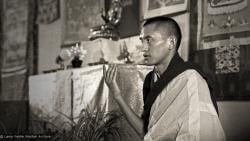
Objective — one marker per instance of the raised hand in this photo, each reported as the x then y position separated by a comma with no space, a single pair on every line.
110,79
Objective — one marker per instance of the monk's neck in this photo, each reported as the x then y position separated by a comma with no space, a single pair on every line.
162,67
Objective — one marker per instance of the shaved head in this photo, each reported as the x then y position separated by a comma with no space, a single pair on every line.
167,27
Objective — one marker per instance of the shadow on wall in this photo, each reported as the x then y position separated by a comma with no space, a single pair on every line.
234,117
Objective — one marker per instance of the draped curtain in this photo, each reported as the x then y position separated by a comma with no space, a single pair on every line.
18,55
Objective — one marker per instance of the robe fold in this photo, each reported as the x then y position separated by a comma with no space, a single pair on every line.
179,105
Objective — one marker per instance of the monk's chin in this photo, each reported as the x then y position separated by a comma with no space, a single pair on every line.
148,63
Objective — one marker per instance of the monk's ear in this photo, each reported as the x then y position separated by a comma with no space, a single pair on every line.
171,42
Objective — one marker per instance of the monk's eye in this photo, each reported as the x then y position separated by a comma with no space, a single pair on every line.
149,40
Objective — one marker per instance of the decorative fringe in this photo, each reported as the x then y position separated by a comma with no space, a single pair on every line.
226,7
218,43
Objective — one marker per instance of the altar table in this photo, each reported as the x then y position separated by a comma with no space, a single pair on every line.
55,96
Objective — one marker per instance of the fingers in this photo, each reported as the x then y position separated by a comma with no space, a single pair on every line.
110,74
104,71
114,73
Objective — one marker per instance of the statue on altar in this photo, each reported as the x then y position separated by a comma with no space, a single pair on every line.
111,18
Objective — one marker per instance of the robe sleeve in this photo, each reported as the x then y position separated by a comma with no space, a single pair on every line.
189,116
200,121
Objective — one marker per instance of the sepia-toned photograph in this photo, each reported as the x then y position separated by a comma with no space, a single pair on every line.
124,70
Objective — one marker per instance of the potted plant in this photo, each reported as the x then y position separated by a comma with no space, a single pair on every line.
91,126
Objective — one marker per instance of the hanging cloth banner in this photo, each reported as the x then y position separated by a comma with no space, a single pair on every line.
15,32
48,11
225,7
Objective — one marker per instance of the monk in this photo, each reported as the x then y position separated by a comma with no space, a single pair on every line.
179,100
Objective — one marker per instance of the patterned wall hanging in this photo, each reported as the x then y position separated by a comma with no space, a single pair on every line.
48,11
80,16
221,17
223,42
15,32
18,47
227,58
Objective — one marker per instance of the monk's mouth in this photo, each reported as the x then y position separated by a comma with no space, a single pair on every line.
146,55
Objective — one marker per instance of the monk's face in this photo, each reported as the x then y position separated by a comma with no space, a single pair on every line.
155,45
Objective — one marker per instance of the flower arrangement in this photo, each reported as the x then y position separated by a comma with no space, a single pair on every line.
78,51
75,55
